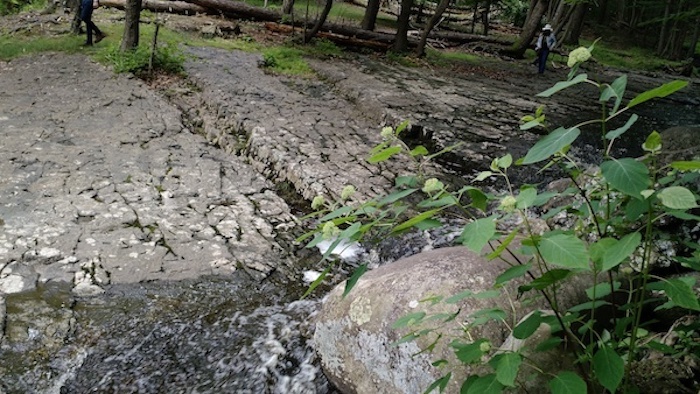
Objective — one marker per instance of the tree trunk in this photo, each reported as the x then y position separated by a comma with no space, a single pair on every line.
287,7
663,33
370,19
485,17
420,50
694,40
575,25
130,39
532,24
401,42
474,15
74,5
321,20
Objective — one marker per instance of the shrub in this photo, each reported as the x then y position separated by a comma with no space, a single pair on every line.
616,220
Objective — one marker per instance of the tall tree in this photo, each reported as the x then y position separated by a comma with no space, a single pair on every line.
402,25
321,20
442,6
130,39
369,20
532,25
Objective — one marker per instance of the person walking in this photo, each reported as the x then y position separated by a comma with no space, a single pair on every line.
86,8
545,42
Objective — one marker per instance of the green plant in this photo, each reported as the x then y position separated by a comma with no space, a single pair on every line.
167,58
614,228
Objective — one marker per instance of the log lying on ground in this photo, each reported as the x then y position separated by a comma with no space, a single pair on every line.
173,7
238,9
380,45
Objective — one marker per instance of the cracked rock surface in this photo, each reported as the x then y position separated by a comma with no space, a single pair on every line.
102,183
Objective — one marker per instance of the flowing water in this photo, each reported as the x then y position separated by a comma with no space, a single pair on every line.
212,335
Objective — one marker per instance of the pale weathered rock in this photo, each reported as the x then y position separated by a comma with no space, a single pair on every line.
354,335
17,277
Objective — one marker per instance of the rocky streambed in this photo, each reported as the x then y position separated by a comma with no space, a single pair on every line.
146,243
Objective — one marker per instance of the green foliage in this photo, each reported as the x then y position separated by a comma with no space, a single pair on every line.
285,60
8,7
167,58
617,215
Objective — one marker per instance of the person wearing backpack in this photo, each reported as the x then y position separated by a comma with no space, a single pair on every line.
545,42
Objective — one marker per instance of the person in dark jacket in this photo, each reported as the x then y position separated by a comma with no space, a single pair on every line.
86,8
545,42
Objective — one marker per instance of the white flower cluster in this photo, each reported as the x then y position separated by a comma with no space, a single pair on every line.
578,55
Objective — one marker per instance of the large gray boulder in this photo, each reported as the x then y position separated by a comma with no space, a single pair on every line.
354,335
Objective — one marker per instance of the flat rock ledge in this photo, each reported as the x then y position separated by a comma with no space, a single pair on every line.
102,183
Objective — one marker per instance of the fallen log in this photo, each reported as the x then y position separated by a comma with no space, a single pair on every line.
238,9
339,39
173,7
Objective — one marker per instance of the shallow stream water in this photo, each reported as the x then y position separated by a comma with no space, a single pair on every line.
211,335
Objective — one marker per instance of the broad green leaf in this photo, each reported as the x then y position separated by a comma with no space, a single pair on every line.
354,278
512,273
547,279
563,85
483,175
384,154
601,290
467,383
528,326
407,181
611,135
395,196
677,197
441,383
526,198
470,294
505,161
568,383
617,90
544,198
479,199
531,123
506,366
504,243
548,344
588,306
565,251
419,150
683,215
622,249
414,220
598,250
662,91
609,368
402,126
551,144
444,201
342,211
428,224
626,175
635,208
491,313
686,165
653,142
472,352
408,320
350,232
486,385
477,233
681,293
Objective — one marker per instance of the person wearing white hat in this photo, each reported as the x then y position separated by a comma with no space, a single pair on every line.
545,42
